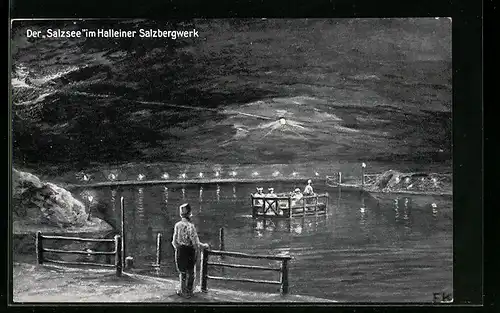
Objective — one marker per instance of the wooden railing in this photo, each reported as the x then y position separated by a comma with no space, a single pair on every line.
369,179
40,251
334,180
283,269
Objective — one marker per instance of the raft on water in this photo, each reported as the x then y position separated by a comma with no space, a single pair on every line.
286,206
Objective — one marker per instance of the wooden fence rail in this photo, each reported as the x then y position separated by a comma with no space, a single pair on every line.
40,251
283,269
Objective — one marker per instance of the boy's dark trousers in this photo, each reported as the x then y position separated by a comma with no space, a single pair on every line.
185,257
187,281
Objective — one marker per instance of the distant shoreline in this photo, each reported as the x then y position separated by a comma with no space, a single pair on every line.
180,182
347,187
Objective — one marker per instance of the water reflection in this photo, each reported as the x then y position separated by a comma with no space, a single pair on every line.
396,208
218,193
140,203
434,211
113,201
339,197
165,196
306,224
201,194
362,210
234,192
183,190
402,208
269,225
406,209
150,241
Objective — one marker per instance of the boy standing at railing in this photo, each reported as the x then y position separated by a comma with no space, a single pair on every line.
186,244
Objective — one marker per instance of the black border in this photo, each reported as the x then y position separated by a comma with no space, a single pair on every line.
467,97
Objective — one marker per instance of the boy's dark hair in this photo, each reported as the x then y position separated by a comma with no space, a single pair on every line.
185,210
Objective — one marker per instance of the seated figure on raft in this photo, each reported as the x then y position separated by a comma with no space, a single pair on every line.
259,194
296,197
271,204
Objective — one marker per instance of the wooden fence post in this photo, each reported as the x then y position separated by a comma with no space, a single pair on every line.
254,207
222,245
221,239
289,206
122,232
158,249
284,277
118,256
204,270
363,175
39,247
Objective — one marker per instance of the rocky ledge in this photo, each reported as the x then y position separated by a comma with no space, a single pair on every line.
394,181
39,205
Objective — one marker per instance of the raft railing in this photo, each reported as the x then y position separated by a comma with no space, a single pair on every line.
205,263
281,205
41,259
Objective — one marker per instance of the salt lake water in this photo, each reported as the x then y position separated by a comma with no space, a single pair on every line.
367,248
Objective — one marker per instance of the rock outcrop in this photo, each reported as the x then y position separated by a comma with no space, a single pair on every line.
47,206
423,182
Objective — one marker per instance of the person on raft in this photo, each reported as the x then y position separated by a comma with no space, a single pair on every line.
270,192
186,244
270,204
308,190
259,194
296,197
